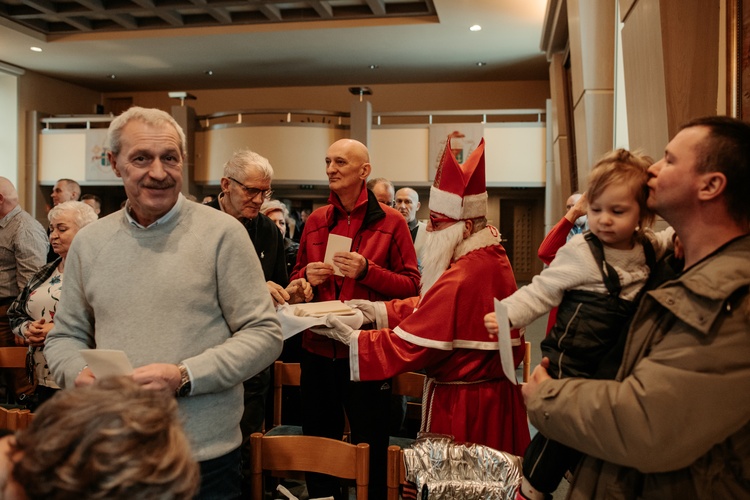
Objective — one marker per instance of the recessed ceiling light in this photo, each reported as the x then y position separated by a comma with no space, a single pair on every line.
480,64
374,66
36,49
112,77
475,27
209,72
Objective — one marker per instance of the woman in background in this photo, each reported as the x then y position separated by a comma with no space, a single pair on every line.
279,214
32,314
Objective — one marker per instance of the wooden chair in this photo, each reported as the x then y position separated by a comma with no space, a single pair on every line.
309,454
13,357
288,374
283,374
12,361
396,471
408,384
15,419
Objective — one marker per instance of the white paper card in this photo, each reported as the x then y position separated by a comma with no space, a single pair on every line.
335,244
504,343
105,363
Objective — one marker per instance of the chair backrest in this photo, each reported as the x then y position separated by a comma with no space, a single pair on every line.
288,374
410,384
283,374
15,419
13,357
309,454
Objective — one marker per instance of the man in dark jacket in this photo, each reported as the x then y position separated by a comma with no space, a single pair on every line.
381,265
246,184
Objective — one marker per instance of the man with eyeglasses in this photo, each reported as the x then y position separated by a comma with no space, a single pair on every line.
246,184
383,190
381,265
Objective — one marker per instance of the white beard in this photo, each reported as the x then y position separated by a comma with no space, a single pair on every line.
438,253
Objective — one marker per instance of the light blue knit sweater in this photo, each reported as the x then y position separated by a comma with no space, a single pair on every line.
189,290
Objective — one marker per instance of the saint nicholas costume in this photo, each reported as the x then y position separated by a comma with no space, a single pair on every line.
467,395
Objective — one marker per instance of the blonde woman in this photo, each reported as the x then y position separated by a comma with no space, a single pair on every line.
32,314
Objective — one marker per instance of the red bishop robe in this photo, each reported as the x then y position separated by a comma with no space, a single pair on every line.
444,334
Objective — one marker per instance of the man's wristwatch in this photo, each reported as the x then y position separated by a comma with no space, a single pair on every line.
185,386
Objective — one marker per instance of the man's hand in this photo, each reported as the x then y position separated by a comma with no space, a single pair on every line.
490,322
278,294
158,376
351,264
299,290
317,272
538,376
86,377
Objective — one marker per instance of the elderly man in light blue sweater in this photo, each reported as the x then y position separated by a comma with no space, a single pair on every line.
178,287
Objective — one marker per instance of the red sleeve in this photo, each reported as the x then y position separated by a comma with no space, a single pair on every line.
400,309
555,239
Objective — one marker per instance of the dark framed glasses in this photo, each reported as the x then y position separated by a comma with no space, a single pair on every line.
253,192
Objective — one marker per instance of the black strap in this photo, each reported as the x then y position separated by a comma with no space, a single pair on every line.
609,274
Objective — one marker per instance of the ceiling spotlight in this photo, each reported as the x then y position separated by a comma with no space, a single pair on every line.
36,49
112,77
475,27
209,72
480,64
374,66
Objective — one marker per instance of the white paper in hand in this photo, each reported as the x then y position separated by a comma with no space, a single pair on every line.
504,343
105,363
335,244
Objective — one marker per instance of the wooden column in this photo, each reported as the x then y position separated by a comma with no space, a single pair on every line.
591,28
671,60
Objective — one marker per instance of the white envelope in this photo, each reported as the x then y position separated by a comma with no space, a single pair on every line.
504,342
105,363
335,244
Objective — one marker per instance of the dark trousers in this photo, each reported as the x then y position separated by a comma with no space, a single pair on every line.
545,463
326,393
256,391
221,477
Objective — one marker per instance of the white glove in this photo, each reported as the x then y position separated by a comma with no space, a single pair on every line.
336,330
373,312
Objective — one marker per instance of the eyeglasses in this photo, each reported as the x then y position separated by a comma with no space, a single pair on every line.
253,192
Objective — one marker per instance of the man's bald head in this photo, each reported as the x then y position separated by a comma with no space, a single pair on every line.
8,196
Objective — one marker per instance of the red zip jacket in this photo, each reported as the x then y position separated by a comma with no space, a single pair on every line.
378,233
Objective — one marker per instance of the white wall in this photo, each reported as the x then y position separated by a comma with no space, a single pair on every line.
9,129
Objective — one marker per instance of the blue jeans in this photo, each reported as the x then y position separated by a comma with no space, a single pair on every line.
221,477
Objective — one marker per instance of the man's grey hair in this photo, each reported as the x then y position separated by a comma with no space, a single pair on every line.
380,180
82,213
149,116
244,162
